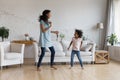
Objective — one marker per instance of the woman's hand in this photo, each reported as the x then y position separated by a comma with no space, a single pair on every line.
50,24
56,32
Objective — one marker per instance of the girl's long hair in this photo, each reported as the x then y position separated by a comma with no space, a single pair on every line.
44,16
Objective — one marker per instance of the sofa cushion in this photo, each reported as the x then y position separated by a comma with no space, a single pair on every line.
6,46
47,50
57,54
57,46
12,55
86,48
82,53
65,45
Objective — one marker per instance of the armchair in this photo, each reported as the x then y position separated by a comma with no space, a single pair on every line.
11,53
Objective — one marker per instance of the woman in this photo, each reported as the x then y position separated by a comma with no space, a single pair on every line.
45,37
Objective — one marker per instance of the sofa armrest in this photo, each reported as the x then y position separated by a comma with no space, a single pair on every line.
93,51
36,48
15,47
1,54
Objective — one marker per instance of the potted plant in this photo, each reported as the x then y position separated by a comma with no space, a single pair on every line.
112,39
62,36
4,33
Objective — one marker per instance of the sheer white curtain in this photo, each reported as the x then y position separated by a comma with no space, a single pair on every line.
117,18
109,20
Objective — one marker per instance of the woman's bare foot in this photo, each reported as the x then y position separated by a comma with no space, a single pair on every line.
53,67
38,69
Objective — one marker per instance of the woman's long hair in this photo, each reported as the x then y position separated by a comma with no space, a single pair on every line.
44,16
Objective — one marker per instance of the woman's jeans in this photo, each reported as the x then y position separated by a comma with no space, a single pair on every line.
78,56
43,50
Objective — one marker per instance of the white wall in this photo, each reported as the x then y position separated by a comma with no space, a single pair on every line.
21,16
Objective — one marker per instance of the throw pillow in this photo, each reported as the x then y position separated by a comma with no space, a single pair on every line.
86,48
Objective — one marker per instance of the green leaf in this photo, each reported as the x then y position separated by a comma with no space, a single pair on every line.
112,39
4,32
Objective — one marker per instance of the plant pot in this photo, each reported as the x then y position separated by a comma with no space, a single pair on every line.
27,38
112,43
2,39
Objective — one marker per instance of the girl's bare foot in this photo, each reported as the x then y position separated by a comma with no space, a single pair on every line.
38,69
53,67
70,67
82,68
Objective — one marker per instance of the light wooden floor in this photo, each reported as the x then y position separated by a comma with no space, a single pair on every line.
28,71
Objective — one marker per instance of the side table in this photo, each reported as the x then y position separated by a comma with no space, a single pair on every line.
101,56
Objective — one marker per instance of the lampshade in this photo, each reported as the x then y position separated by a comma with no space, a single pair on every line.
100,26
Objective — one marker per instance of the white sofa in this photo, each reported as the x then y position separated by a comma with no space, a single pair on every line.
11,53
63,55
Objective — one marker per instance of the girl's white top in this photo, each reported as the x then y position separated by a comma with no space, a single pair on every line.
76,43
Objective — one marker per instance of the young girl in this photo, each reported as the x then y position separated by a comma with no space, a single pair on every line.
76,45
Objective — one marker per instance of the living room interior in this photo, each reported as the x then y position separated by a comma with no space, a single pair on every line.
20,31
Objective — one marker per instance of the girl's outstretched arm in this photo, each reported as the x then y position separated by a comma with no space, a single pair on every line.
81,44
70,45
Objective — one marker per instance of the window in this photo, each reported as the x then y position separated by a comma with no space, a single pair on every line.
117,18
